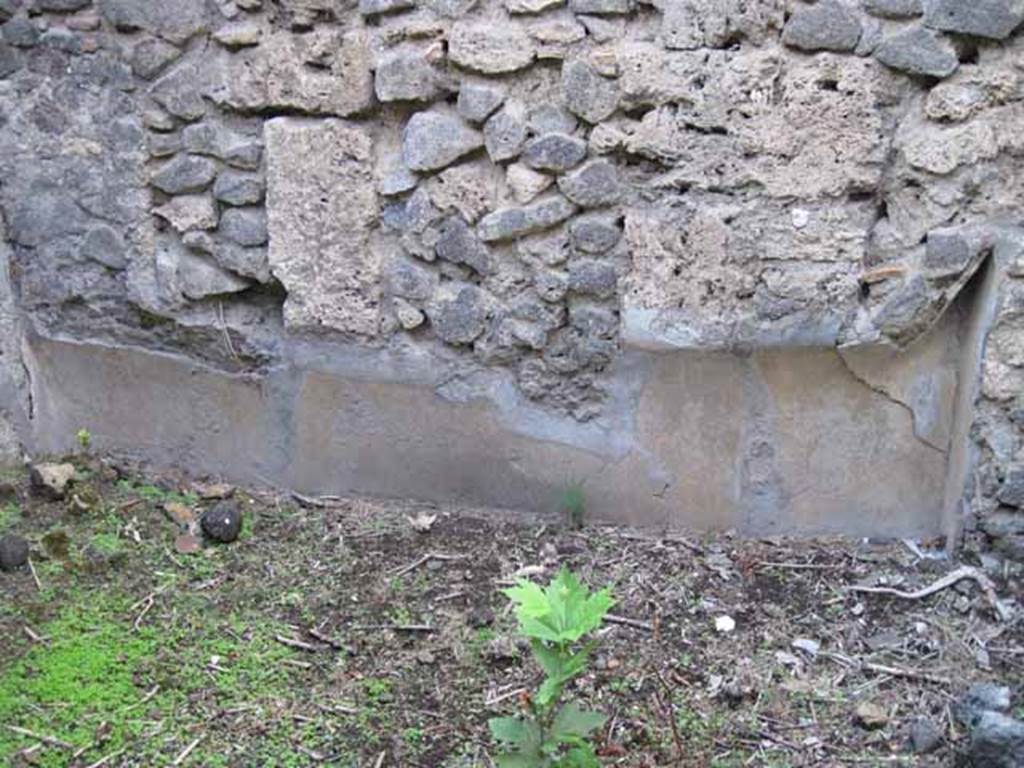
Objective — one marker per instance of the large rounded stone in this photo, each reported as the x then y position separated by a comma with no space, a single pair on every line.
13,552
222,522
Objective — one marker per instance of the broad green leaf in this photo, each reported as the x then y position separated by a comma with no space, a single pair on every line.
521,733
572,723
550,691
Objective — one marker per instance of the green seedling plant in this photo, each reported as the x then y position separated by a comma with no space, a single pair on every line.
574,504
559,620
84,439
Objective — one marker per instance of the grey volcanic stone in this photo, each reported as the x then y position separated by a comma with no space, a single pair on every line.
478,101
599,7
246,261
184,174
13,552
102,244
996,19
594,185
405,75
509,223
551,118
150,56
175,21
459,244
10,60
554,152
588,95
223,521
176,92
410,281
1000,524
239,188
198,277
433,140
245,226
591,277
505,134
163,144
894,9
377,7
458,313
61,6
918,51
594,234
827,25
20,32
1011,492
950,250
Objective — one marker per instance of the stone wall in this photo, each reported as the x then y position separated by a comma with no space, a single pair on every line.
524,192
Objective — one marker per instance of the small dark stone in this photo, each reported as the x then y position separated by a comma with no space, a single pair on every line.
222,522
480,617
13,552
925,736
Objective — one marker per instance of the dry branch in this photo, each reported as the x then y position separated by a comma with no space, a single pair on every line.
964,572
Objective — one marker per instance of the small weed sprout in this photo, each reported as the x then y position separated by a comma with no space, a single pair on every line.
84,439
558,620
574,504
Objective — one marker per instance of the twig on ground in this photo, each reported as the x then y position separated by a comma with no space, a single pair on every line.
51,740
426,558
147,603
798,566
104,760
35,576
186,752
395,627
627,622
292,643
667,705
380,760
318,635
33,636
964,572
503,697
318,502
885,669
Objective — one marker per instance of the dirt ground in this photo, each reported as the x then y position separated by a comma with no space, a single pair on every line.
348,632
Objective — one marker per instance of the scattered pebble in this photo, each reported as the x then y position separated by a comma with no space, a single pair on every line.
223,522
51,480
870,716
808,646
